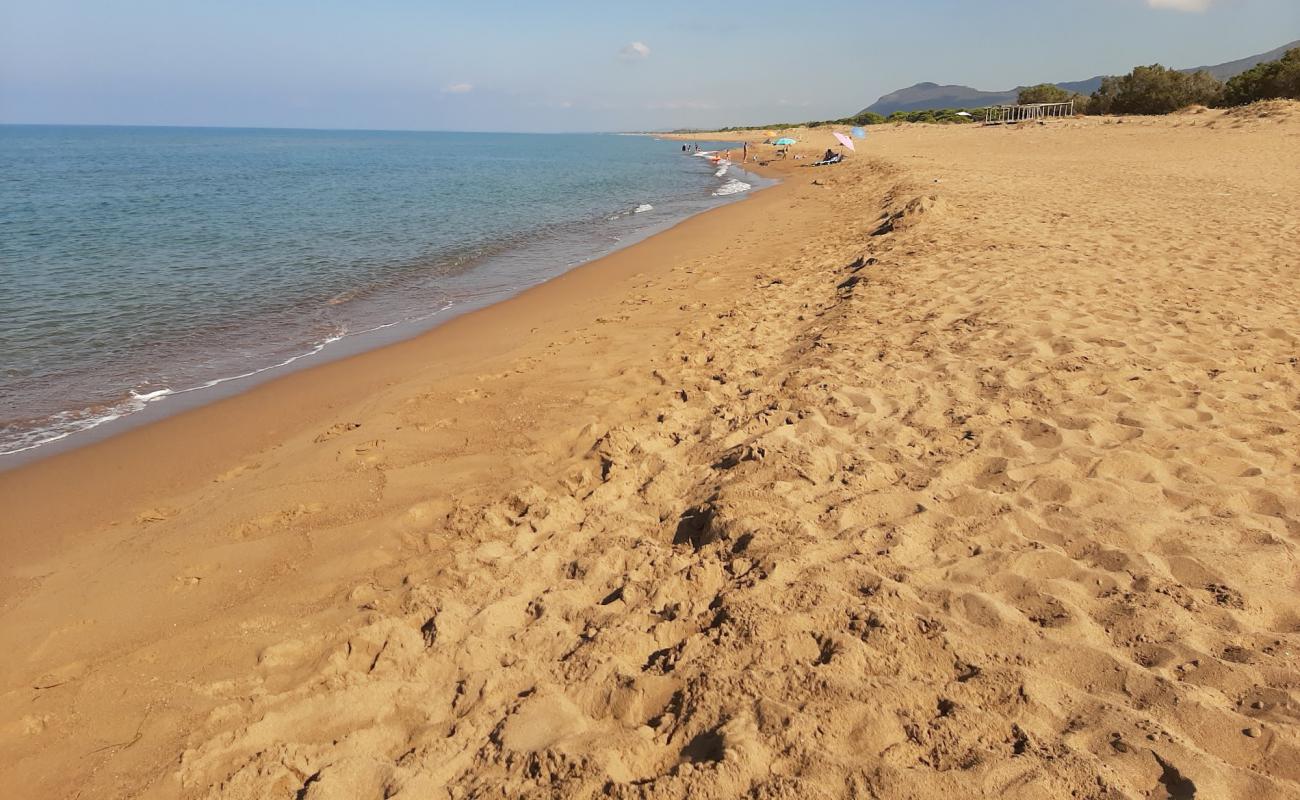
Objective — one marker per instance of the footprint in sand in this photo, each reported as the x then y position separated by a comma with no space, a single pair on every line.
1051,490
231,474
275,521
1044,610
336,430
1040,434
470,396
151,515
191,576
60,676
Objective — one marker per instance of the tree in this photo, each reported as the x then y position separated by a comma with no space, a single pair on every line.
868,118
1103,99
1273,79
1043,93
1155,90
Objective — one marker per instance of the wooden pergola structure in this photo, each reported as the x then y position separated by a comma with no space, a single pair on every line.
1010,115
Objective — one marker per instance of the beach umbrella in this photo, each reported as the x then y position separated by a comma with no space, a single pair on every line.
844,140
963,113
782,142
858,133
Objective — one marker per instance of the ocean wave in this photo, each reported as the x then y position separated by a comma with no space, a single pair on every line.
343,297
67,423
732,186
644,207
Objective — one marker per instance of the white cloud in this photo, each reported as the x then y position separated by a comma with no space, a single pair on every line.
1190,6
458,88
636,50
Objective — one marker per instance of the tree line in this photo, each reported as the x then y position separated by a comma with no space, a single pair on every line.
932,115
1156,89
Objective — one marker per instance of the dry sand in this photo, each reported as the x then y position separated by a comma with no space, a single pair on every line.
969,469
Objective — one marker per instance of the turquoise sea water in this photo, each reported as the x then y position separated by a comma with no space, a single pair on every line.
141,264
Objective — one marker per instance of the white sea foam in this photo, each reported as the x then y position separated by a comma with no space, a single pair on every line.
149,397
65,424
732,186
643,208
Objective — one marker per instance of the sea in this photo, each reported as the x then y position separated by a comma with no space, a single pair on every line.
144,269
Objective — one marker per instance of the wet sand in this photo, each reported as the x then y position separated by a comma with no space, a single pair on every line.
966,468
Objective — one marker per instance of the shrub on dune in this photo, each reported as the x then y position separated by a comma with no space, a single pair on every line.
1269,81
1155,90
1043,93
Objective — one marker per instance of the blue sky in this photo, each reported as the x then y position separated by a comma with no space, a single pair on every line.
574,66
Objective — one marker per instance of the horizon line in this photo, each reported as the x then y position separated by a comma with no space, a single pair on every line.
307,128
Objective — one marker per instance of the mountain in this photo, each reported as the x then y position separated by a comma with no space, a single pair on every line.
932,95
1234,68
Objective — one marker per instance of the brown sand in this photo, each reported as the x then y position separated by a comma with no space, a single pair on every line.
1002,500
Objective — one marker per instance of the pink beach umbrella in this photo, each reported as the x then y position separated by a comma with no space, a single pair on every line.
844,140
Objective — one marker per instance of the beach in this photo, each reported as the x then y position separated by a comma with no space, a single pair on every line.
967,467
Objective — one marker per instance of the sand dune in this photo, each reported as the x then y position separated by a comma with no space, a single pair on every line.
968,468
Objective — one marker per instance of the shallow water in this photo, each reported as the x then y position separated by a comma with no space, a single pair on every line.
137,264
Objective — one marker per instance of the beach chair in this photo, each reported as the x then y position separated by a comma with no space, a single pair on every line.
826,162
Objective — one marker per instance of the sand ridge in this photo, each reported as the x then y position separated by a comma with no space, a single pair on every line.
970,469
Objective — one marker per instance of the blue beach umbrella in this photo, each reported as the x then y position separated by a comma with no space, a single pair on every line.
784,141
858,133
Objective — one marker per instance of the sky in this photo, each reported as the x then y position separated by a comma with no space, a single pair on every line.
566,65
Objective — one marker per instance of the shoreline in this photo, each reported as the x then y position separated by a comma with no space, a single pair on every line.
147,454
137,407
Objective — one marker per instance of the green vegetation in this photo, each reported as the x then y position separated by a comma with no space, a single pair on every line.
1146,90
1267,81
1155,90
1043,93
942,116
867,118
1051,93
